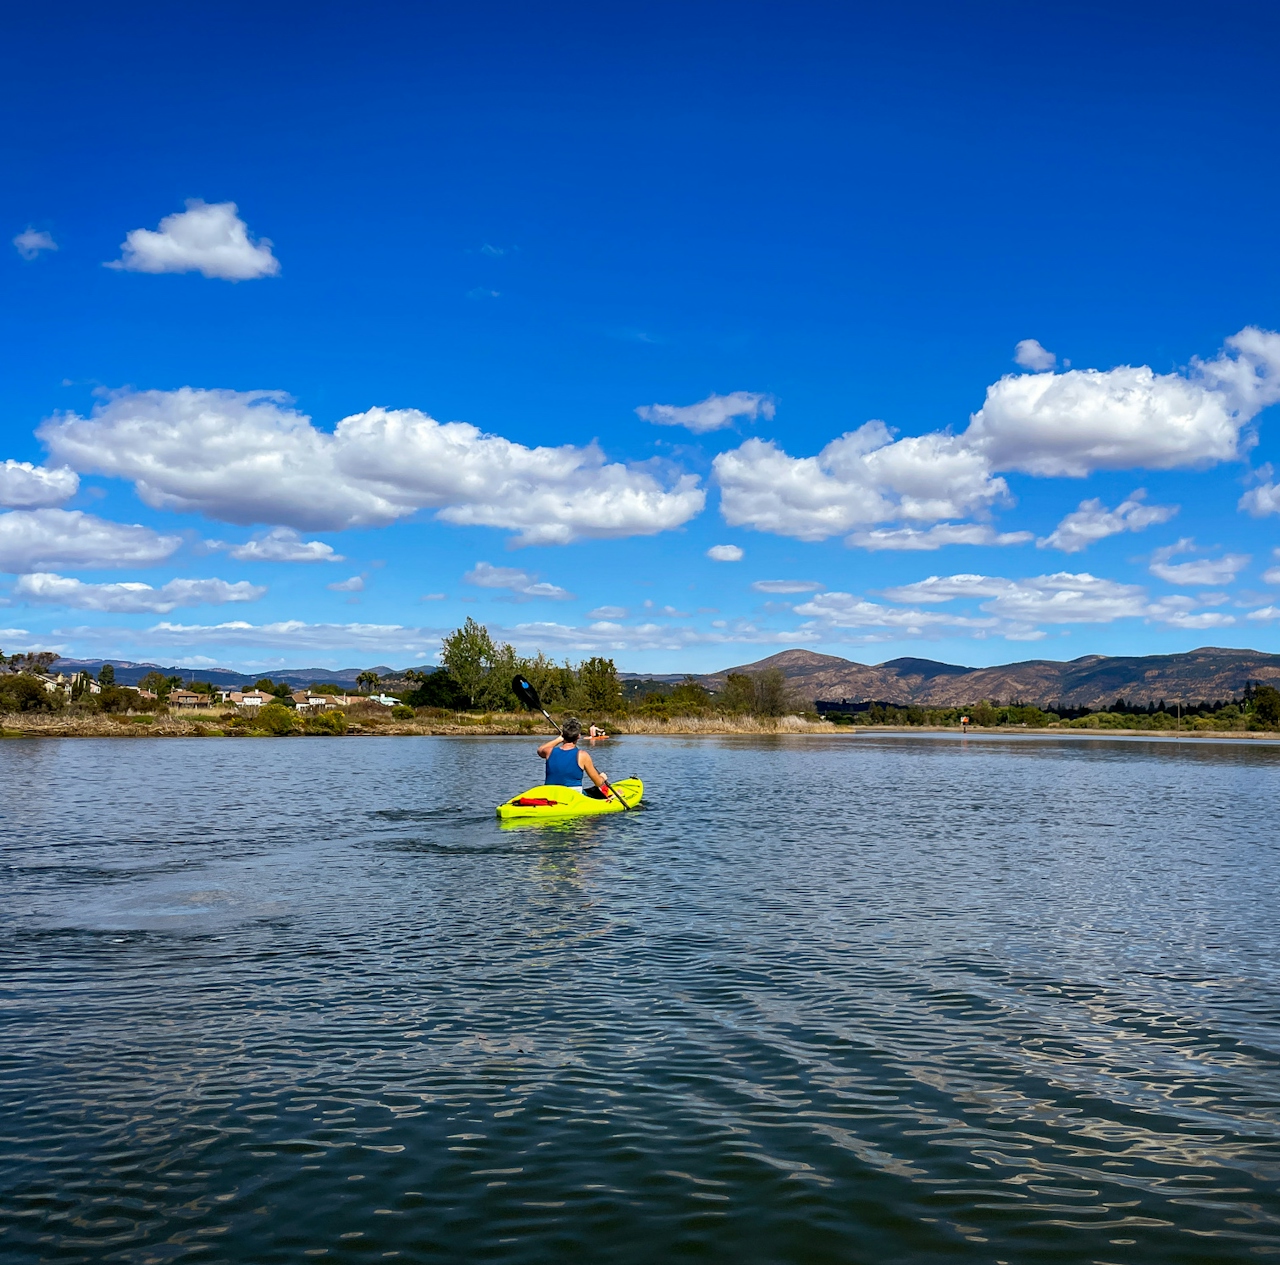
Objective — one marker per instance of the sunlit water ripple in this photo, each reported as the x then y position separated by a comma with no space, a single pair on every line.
858,999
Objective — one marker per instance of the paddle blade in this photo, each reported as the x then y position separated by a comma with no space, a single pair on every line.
526,693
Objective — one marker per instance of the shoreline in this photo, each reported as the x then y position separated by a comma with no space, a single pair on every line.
44,725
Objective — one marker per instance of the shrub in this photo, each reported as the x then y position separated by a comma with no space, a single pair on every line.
401,711
26,693
276,719
333,721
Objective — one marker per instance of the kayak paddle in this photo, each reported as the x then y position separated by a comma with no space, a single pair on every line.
524,691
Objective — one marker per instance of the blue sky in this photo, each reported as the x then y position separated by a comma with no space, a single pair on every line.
535,222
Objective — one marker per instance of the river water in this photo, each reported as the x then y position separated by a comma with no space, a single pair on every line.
853,999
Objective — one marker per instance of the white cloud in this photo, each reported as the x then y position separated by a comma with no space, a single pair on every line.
296,635
1272,574
1092,521
354,585
785,586
1084,419
1265,614
725,553
282,544
131,597
1262,500
526,585
35,539
30,243
1030,355
912,538
209,238
608,612
713,413
246,457
844,610
24,486
861,478
1203,571
1061,598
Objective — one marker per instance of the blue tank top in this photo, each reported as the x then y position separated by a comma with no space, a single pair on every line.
562,767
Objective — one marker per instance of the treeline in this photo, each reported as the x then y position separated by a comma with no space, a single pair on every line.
476,675
1257,709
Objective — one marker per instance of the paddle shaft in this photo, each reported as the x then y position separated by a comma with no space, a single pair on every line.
525,692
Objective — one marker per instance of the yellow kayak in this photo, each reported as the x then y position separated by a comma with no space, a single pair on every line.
551,803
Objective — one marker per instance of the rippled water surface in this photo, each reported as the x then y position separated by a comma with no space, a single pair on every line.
858,999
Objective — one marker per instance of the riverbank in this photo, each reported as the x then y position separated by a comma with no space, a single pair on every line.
213,725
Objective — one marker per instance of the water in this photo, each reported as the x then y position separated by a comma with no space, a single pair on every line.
858,999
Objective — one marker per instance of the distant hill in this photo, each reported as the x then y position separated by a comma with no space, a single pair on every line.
129,673
1092,681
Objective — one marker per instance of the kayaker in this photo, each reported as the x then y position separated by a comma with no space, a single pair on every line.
566,764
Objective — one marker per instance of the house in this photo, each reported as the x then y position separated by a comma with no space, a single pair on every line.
147,694
385,699
254,698
179,698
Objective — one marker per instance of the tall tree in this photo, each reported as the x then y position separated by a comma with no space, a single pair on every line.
106,675
599,690
468,653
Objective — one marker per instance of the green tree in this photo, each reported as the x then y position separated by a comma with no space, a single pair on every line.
599,691
738,695
496,693
689,699
368,681
468,653
1266,706
771,692
106,675
438,689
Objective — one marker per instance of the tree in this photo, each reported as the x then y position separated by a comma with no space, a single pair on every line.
368,680
689,699
438,689
1266,706
738,695
468,653
106,675
598,688
771,692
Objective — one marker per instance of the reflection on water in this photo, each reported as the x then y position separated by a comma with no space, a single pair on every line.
858,999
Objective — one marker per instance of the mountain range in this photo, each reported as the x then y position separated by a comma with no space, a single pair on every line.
1092,681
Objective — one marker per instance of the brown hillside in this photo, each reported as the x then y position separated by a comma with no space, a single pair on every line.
1091,681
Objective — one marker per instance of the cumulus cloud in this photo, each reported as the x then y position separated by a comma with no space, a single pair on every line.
30,242
786,586
1092,521
863,477
281,544
522,583
208,238
1030,355
608,612
353,585
1071,423
33,540
1203,571
1262,500
24,486
1265,614
247,457
913,538
1272,574
713,413
725,553
131,597
1044,423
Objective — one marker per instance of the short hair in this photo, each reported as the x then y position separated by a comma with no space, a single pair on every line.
571,730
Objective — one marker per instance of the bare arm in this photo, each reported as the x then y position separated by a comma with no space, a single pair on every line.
545,750
589,768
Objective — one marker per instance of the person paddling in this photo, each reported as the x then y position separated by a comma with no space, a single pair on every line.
566,764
